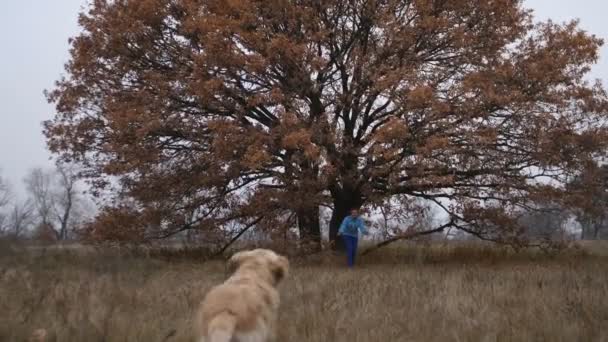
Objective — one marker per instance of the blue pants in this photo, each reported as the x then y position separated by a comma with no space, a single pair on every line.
350,242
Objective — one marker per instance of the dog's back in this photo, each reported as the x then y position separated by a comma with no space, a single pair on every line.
241,309
244,308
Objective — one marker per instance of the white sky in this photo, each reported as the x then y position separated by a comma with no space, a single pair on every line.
34,47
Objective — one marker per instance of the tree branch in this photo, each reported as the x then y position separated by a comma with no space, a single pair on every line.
407,236
237,236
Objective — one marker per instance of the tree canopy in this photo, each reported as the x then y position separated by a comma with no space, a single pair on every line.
262,111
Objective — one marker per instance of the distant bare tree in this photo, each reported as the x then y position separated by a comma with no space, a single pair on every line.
39,185
547,222
19,219
65,197
5,192
5,196
590,190
55,198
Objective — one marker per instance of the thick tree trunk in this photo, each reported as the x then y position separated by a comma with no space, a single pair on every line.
587,226
339,213
309,226
596,231
66,217
344,201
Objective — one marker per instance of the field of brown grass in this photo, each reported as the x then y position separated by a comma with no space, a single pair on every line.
405,293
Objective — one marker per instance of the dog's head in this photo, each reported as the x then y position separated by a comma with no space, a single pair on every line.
261,259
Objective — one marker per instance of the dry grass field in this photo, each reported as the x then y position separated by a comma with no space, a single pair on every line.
405,293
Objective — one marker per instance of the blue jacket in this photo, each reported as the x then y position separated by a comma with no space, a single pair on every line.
351,226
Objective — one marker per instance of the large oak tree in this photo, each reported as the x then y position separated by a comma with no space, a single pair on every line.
262,111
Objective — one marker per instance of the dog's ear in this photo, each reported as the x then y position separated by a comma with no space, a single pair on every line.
237,259
279,268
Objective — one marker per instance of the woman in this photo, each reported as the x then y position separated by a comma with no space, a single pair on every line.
349,230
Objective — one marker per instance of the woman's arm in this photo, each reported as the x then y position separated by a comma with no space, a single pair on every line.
342,226
362,228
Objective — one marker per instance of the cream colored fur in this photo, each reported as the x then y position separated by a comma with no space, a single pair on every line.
244,308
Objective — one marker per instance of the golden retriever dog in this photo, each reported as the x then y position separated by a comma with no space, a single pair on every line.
39,335
245,307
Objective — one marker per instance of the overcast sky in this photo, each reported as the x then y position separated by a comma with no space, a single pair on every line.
34,47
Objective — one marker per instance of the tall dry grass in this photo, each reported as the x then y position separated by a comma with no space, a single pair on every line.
404,293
